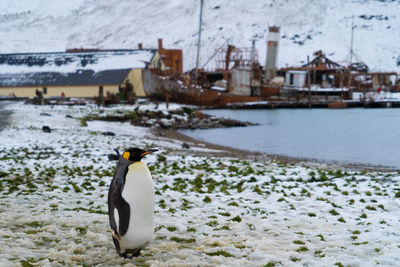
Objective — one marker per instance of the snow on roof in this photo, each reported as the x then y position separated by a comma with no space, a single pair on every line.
70,68
71,62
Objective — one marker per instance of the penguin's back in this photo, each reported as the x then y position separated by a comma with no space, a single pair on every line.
138,192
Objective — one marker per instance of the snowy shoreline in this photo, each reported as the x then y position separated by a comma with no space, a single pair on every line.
210,210
247,154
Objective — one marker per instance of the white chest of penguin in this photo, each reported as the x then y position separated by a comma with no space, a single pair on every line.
138,191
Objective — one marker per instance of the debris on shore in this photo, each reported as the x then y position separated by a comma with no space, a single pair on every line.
184,118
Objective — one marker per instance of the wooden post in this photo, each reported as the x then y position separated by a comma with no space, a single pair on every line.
167,100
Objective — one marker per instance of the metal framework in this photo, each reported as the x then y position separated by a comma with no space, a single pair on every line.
243,57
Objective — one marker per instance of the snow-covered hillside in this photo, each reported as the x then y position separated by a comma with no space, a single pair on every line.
306,26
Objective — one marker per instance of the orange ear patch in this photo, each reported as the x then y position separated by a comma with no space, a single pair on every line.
126,155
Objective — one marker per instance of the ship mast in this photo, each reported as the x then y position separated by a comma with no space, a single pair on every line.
198,42
351,41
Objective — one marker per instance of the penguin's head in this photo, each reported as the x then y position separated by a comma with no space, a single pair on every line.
136,154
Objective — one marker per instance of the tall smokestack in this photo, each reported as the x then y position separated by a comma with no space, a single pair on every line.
160,44
140,46
253,52
272,53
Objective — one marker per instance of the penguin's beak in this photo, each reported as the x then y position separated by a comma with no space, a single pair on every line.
148,152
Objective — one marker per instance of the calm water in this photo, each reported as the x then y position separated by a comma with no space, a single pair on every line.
366,136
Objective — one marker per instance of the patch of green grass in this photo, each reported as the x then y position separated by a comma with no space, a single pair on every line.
198,183
171,228
212,223
26,263
171,210
35,224
207,199
299,242
339,174
161,158
66,189
48,239
341,220
319,253
294,259
225,227
302,249
76,188
33,232
81,230
240,246
311,214
304,192
185,204
162,204
251,226
258,190
219,253
236,219
226,214
158,228
233,204
361,243
321,237
271,264
334,212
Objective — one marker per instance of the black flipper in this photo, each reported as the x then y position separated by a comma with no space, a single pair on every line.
124,213
115,201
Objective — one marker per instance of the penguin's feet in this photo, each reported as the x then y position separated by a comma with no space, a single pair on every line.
132,252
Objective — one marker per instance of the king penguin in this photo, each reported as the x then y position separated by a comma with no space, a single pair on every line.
131,204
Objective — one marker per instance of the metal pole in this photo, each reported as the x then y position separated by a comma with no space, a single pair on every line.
198,43
309,81
351,42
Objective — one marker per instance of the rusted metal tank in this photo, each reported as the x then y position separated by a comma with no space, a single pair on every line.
241,82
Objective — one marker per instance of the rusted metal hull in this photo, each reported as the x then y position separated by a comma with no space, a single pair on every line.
160,87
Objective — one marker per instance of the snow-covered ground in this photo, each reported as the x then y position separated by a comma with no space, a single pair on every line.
306,26
210,211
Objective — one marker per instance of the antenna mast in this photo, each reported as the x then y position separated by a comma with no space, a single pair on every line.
351,42
198,43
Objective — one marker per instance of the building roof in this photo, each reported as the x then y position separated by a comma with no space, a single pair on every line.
71,68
